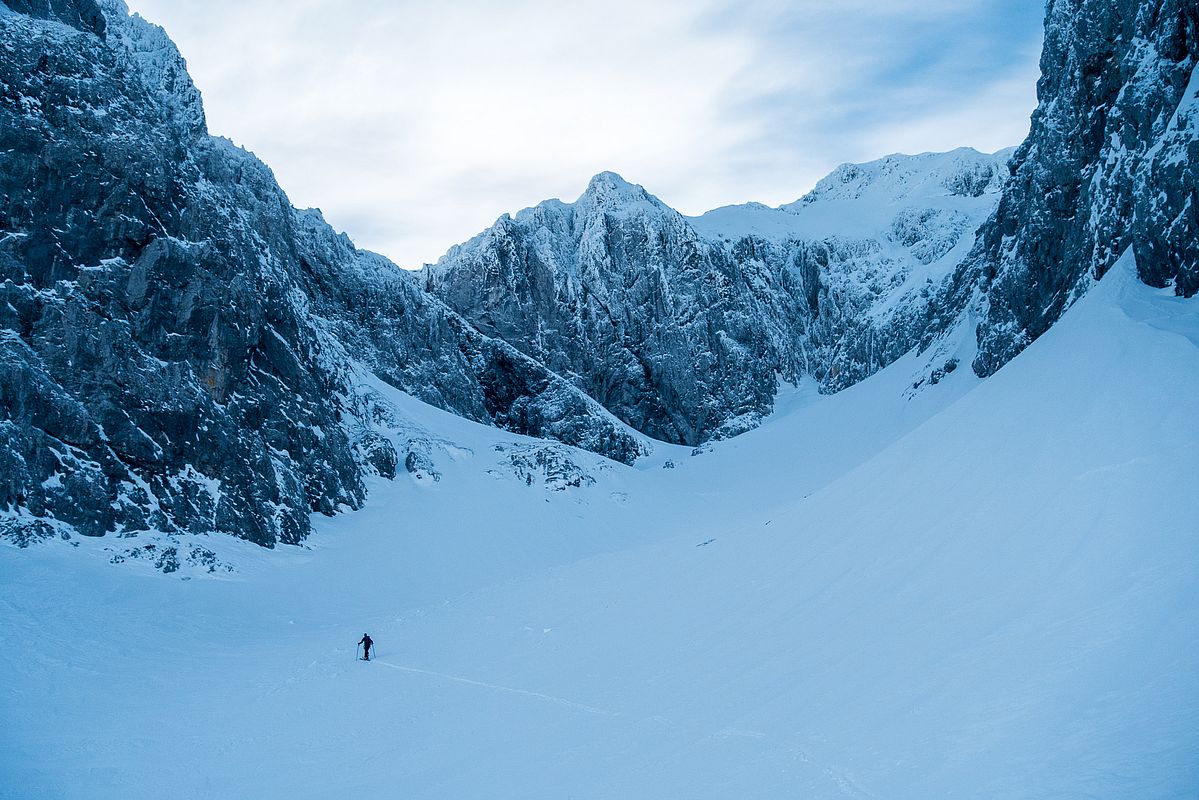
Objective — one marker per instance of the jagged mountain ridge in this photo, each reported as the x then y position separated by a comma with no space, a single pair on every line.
181,347
185,351
682,327
1110,165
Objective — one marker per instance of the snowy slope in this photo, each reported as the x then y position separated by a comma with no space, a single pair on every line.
862,200
987,590
889,227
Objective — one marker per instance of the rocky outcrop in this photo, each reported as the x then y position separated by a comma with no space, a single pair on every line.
179,345
620,294
684,327
1111,162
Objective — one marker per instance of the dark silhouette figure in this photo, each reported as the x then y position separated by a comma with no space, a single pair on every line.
366,646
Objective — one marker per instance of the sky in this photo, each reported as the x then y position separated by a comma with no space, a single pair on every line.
414,125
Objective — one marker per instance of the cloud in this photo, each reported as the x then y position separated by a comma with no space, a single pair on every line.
414,125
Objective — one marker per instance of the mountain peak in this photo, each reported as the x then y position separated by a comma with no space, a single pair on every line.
611,181
610,192
900,176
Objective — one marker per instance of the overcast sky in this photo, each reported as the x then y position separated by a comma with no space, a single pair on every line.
414,125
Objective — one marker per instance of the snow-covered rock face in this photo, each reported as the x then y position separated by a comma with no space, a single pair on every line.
683,327
1111,162
878,258
181,349
617,292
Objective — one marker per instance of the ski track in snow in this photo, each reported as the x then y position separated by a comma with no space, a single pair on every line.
841,778
562,701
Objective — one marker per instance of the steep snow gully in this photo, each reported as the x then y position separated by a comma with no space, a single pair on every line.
983,588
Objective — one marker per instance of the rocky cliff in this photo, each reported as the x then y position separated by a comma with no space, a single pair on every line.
1111,163
684,327
184,351
181,348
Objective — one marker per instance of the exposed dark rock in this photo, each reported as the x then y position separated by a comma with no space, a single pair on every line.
1111,163
179,345
85,15
683,327
551,466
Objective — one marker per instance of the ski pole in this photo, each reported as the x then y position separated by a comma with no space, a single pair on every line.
357,647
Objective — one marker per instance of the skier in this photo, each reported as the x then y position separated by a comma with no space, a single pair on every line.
366,646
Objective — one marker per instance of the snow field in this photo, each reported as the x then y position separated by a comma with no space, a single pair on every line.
982,589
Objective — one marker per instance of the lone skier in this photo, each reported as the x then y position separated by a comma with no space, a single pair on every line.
366,646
